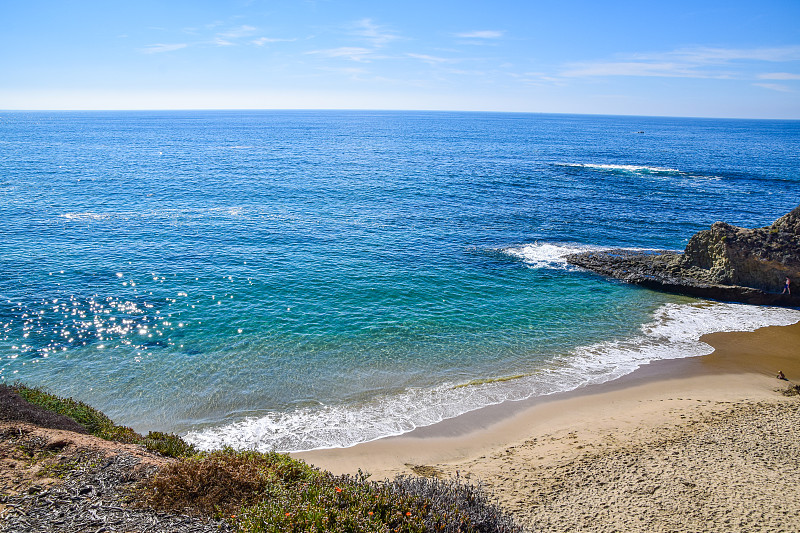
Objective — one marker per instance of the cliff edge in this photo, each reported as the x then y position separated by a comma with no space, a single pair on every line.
724,262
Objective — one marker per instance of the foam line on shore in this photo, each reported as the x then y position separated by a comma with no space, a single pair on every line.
674,332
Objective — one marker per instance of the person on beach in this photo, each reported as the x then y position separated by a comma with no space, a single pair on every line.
781,376
786,286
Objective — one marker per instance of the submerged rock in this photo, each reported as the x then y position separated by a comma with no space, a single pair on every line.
723,263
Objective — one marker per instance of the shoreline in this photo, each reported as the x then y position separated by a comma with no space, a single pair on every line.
499,424
508,447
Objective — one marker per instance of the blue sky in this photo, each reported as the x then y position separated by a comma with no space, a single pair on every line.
714,59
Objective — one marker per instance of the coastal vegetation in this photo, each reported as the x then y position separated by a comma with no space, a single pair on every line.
98,424
250,491
270,492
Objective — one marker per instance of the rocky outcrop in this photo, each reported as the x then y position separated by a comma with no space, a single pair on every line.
722,263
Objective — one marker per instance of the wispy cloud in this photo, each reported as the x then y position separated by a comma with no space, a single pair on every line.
481,34
261,41
350,71
377,35
234,36
537,78
713,55
637,68
779,76
237,33
431,60
159,48
683,63
774,87
353,53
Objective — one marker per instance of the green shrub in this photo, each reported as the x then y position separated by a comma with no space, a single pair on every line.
273,493
219,483
168,444
93,420
99,425
335,504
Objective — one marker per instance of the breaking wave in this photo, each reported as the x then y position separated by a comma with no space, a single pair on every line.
674,332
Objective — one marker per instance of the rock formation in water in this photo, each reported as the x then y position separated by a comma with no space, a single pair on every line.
722,263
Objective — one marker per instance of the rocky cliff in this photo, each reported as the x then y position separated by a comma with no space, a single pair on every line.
723,263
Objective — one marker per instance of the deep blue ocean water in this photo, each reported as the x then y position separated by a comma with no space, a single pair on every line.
305,279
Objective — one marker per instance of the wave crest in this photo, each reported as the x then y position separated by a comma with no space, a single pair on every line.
674,332
623,168
638,170
552,255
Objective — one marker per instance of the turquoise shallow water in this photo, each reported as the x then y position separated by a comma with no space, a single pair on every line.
311,279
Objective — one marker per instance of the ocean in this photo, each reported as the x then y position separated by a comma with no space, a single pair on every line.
294,280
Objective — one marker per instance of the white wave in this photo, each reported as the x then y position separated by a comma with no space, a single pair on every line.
85,216
553,255
641,170
624,168
674,332
185,213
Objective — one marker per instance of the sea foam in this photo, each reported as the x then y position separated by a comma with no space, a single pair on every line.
553,255
639,170
674,332
623,168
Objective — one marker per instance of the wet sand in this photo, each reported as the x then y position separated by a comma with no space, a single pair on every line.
698,444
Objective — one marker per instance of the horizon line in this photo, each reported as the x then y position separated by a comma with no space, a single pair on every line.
343,109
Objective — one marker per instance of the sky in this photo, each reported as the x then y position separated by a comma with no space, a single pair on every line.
737,59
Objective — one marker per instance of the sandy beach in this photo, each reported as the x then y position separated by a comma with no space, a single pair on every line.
697,444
